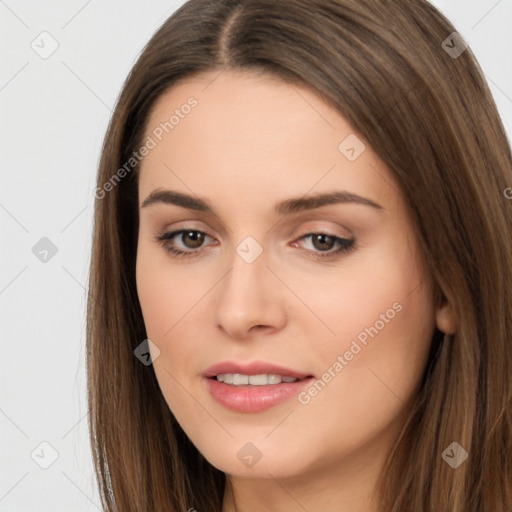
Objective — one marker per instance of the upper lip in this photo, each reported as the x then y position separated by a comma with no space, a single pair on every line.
254,368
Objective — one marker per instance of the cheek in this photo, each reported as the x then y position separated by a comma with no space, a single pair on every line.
175,304
372,327
380,309
169,300
381,288
165,293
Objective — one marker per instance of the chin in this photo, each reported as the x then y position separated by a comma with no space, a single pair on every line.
250,462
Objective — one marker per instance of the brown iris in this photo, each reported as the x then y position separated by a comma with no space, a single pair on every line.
323,242
196,238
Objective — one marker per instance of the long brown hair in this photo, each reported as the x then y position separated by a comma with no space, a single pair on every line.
429,115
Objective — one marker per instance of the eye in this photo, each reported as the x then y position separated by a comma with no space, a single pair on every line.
191,239
323,243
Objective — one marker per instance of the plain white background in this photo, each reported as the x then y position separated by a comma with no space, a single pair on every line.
54,112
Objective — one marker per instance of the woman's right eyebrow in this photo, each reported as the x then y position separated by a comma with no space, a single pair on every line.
160,196
283,208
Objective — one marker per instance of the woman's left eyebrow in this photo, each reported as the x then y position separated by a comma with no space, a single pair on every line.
283,208
298,204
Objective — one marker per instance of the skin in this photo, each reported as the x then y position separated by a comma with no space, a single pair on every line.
251,142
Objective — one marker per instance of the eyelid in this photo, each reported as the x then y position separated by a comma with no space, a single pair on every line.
320,227
183,226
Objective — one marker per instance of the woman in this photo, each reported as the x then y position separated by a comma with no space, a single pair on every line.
301,279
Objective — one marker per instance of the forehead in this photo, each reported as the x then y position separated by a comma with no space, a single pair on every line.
250,132
241,104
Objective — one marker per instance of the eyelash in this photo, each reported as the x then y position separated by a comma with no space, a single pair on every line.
345,245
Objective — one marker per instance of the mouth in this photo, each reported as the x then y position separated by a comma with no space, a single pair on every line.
255,387
257,373
262,379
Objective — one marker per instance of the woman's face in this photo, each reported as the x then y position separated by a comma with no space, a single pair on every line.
268,272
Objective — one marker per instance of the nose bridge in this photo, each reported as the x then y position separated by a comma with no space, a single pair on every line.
245,282
249,293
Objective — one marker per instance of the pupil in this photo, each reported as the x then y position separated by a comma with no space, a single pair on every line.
195,236
322,239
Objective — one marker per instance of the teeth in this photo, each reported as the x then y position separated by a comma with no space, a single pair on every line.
289,379
238,379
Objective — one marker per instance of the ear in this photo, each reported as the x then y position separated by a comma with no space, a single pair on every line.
445,319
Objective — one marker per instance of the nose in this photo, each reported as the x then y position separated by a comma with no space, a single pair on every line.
250,299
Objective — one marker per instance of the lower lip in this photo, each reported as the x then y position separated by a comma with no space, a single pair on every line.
248,398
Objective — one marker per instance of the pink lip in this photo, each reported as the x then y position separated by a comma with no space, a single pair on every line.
249,398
